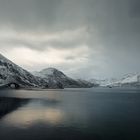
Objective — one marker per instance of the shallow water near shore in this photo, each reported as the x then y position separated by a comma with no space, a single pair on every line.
70,114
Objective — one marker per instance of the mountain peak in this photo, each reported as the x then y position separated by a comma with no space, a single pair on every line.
51,71
56,76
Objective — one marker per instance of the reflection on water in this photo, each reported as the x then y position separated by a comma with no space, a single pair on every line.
96,114
7,105
27,112
28,116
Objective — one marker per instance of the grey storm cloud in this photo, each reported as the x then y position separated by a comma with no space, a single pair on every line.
110,27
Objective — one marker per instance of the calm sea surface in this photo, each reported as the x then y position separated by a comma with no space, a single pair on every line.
70,114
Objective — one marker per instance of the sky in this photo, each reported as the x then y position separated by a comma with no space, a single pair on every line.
83,38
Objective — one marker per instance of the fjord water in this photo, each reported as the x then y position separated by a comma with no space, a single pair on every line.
70,114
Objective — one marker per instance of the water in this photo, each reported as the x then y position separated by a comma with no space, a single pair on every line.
70,114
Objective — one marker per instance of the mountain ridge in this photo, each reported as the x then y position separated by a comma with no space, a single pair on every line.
130,80
53,74
47,78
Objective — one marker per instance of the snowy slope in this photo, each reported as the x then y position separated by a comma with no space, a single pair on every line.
128,80
10,72
47,78
53,75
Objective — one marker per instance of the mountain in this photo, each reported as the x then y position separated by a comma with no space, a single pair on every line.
12,73
129,80
53,75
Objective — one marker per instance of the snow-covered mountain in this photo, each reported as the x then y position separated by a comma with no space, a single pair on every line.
127,80
12,73
53,75
47,78
53,78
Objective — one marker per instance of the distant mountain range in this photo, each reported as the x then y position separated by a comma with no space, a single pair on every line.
11,75
129,80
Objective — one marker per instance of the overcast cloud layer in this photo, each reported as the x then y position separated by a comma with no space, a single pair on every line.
83,38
